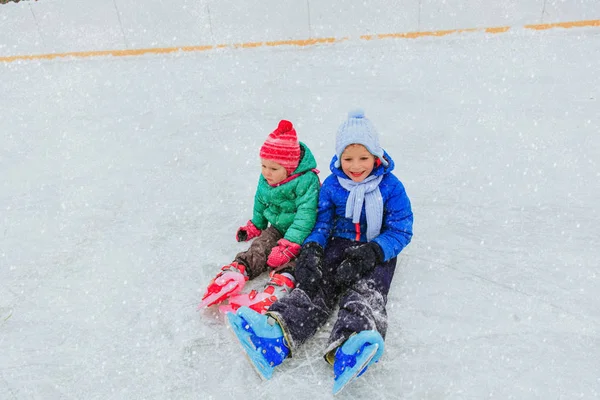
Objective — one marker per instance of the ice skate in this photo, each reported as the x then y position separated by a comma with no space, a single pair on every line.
354,357
262,339
279,285
228,282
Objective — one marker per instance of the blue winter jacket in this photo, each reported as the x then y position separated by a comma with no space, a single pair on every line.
396,229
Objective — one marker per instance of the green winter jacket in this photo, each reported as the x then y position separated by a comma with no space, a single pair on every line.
292,206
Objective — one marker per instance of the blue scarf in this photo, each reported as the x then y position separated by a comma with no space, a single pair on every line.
367,193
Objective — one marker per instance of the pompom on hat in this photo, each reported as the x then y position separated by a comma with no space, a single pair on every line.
357,129
282,146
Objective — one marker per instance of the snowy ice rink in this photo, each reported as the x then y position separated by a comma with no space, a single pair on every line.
123,181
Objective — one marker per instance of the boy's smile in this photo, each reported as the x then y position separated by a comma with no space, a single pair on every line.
357,163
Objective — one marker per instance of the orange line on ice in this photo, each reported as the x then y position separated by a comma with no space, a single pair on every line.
300,42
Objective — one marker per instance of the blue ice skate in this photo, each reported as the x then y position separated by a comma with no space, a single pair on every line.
354,357
262,339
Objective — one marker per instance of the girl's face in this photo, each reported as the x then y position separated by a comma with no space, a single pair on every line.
357,162
272,171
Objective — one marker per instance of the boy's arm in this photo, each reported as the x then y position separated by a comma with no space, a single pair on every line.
325,215
396,231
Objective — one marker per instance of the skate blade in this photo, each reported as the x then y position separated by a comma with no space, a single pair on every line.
219,296
227,308
362,361
264,370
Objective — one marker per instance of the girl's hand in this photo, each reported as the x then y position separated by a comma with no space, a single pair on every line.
247,232
283,253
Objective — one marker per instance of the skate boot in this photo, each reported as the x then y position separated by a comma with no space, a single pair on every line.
354,357
278,286
228,282
262,339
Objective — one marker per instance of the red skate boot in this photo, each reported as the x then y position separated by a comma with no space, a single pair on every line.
278,286
230,281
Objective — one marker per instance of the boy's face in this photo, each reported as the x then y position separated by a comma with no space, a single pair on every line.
357,162
272,171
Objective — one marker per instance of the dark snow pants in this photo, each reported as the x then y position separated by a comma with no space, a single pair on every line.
361,305
255,258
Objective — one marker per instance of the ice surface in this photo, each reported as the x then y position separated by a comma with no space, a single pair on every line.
123,181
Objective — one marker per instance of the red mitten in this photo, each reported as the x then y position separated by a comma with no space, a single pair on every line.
245,233
283,253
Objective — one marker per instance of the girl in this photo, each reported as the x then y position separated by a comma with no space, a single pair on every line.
364,221
285,209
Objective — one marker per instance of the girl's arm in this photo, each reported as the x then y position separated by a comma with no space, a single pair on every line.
306,201
258,218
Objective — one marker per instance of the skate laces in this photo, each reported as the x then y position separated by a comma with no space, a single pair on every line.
282,280
278,286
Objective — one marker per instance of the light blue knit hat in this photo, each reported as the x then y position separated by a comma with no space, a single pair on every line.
357,129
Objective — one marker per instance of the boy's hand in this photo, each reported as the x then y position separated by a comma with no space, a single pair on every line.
309,267
359,260
283,253
247,232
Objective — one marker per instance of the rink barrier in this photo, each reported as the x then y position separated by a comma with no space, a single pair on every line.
300,43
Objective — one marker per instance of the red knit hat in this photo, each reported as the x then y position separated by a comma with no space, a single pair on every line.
282,146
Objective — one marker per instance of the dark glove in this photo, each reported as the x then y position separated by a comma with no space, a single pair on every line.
309,266
359,260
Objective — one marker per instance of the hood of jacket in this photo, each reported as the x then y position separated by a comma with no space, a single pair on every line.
307,160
